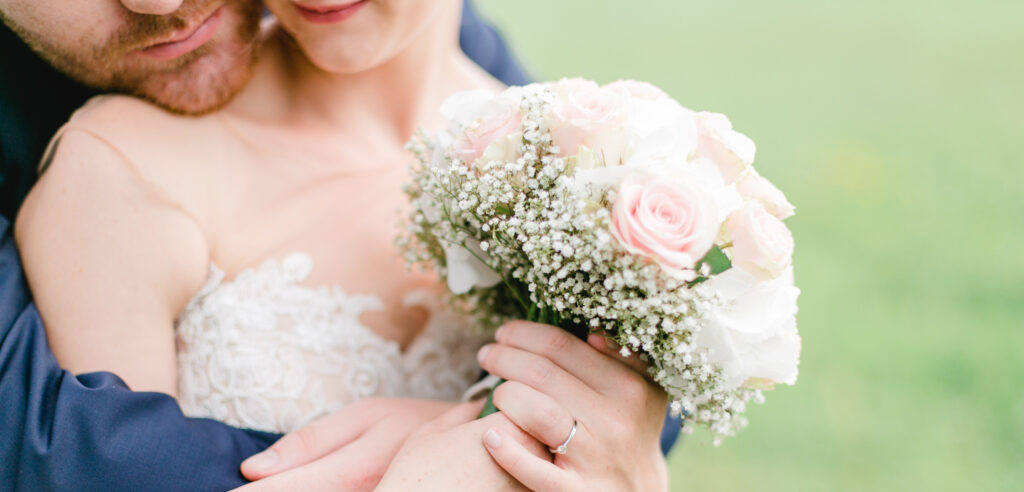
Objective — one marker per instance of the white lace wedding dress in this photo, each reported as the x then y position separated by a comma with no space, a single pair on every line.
263,352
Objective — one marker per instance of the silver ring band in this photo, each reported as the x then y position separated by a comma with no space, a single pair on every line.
565,445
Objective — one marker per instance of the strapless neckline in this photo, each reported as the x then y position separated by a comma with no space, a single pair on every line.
263,351
292,269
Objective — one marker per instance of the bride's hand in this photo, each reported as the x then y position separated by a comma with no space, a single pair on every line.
348,450
446,455
555,378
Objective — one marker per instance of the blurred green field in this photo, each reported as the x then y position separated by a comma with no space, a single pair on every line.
896,127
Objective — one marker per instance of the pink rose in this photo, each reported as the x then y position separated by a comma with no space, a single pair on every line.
716,140
667,220
637,89
754,187
585,114
471,143
761,243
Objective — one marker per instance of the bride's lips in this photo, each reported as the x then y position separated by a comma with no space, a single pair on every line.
329,14
185,40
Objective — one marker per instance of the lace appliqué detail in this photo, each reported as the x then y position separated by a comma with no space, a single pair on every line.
263,352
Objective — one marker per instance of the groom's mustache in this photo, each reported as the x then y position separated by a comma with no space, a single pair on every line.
142,31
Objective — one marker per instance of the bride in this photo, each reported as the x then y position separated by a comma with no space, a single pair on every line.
243,261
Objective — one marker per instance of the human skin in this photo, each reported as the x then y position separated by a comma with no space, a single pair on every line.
109,52
325,111
554,379
140,217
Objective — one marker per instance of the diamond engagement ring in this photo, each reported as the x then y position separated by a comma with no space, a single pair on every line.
562,447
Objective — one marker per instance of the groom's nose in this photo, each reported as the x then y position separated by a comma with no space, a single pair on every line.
152,7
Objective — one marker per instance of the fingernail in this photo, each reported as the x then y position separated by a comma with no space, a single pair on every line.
497,333
492,439
261,462
482,354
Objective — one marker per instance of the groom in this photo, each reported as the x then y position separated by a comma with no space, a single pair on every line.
89,432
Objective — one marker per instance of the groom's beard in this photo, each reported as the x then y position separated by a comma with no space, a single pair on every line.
195,83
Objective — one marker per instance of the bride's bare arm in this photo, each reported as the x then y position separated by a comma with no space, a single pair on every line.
110,261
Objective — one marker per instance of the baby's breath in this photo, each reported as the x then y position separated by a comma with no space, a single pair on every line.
560,265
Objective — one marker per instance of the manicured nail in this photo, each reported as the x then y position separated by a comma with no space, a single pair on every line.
482,354
492,439
264,461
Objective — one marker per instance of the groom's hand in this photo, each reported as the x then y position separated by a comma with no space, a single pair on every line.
348,450
447,455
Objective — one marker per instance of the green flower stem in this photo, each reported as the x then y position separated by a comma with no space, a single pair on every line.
489,407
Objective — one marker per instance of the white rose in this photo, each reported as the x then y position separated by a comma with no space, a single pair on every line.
706,174
663,131
753,336
465,270
463,108
466,109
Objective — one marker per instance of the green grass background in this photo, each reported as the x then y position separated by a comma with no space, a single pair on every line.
896,127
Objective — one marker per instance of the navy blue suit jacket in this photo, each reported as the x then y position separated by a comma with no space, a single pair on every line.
59,431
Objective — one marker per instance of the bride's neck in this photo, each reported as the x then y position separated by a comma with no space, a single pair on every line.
395,97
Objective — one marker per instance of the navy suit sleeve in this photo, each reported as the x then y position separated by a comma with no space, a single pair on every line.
62,432
90,432
484,45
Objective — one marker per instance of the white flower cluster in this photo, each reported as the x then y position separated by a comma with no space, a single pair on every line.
615,210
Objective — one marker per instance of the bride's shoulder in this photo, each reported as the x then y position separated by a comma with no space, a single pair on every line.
132,123
119,145
159,146
109,106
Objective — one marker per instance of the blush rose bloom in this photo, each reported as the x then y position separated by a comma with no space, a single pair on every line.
761,244
716,140
585,114
637,89
754,187
473,140
668,220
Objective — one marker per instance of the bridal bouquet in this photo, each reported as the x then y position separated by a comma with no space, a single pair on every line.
616,210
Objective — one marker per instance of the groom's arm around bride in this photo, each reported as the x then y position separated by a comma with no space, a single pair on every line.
90,432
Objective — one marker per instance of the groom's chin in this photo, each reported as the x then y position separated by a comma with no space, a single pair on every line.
205,84
207,79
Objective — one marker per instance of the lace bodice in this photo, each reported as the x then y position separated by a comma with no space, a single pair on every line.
263,352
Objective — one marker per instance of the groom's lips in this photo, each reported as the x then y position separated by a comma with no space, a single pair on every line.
185,40
329,14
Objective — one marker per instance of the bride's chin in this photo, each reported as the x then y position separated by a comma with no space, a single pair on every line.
347,66
327,58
